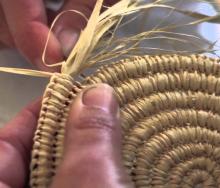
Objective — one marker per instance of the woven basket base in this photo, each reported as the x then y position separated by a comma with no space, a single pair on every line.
170,111
170,108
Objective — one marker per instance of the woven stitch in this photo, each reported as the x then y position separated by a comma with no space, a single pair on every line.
170,111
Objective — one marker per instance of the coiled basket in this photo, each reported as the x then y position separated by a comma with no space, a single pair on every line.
170,110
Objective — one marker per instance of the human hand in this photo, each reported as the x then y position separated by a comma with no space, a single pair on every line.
92,150
24,24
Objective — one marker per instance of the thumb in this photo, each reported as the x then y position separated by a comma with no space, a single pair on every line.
92,152
68,28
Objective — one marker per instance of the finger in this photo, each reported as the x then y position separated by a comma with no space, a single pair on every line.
27,22
6,39
92,152
70,24
15,146
68,27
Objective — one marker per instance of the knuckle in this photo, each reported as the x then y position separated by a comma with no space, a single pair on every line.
97,120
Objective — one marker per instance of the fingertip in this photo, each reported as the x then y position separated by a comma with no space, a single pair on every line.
96,101
102,96
68,39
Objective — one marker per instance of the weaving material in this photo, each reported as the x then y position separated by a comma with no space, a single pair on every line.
170,107
170,111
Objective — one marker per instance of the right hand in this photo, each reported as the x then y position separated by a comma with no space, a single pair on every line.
24,24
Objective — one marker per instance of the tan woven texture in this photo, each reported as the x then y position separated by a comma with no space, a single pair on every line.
170,111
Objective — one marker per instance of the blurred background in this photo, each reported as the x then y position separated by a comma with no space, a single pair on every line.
16,91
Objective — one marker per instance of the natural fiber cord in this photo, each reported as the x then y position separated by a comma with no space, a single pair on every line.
49,136
170,111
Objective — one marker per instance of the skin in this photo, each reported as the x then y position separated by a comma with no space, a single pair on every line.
92,150
24,25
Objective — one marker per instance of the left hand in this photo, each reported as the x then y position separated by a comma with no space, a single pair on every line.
92,149
16,140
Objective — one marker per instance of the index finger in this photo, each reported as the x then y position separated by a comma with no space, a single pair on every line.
27,22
